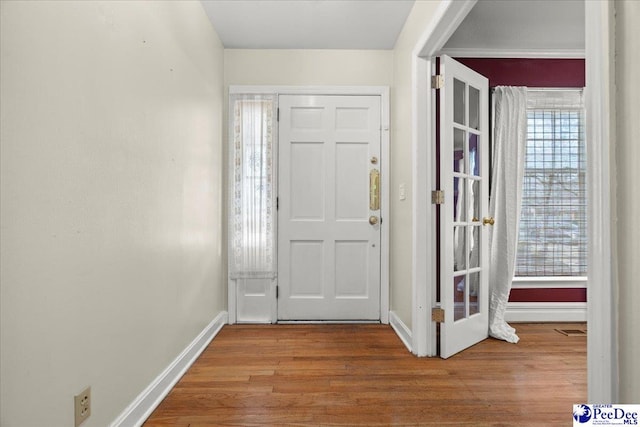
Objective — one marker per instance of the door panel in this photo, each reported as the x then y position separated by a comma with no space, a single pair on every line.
352,178
464,130
306,261
352,259
307,180
328,251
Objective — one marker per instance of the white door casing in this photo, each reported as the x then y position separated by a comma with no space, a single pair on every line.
328,251
464,177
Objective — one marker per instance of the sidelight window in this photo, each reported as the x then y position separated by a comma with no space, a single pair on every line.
252,186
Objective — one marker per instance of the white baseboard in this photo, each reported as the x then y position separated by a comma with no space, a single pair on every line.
546,312
143,405
401,329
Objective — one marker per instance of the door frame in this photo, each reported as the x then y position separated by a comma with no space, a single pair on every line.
383,92
602,346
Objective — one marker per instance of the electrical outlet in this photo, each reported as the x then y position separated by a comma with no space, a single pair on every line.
82,406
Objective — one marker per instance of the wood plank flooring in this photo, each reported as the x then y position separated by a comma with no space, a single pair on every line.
338,375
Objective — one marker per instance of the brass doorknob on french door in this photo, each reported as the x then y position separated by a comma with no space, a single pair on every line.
373,220
488,220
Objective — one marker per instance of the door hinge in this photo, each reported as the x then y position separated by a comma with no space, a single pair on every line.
437,315
277,292
437,81
277,203
278,114
437,197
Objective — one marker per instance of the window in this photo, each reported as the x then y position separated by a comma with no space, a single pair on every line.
552,235
252,187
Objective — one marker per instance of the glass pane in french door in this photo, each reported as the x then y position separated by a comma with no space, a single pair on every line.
474,290
474,108
474,247
474,200
459,102
459,297
474,154
459,248
459,163
459,199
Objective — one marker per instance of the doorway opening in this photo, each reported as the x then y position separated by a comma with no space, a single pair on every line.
601,343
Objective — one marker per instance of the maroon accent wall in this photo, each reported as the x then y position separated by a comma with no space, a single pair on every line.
529,72
534,73
548,295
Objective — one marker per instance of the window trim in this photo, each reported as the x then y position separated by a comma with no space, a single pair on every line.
545,282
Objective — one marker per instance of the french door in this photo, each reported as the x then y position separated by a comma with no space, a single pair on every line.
464,178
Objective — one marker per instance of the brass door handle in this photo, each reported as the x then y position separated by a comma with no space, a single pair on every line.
488,220
373,220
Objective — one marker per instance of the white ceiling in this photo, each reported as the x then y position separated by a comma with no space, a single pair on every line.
521,25
492,26
308,24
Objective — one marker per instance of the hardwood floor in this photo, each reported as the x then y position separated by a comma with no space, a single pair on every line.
316,375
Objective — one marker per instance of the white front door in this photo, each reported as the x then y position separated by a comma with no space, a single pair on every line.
328,223
464,177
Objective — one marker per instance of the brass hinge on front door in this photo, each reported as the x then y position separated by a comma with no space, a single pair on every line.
437,315
437,81
437,197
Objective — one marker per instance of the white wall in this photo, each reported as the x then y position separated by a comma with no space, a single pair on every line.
308,67
401,232
110,200
628,199
503,26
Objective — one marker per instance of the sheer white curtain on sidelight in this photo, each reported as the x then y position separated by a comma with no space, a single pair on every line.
509,144
252,187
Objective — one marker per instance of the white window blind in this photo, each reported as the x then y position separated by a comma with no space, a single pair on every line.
552,235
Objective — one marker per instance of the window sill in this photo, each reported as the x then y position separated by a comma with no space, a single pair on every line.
549,282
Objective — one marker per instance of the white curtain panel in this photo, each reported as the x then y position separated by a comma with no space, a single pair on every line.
509,144
252,187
